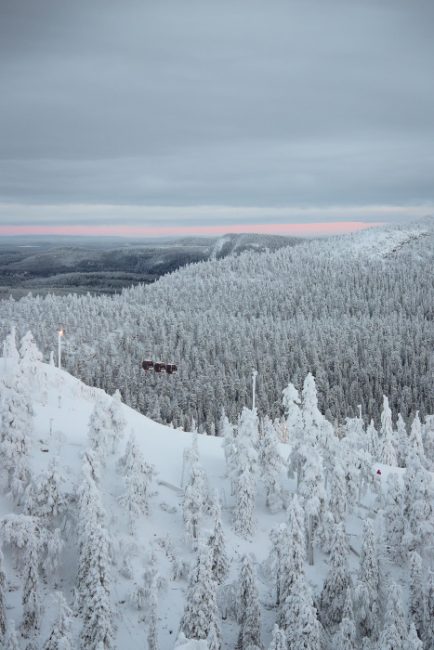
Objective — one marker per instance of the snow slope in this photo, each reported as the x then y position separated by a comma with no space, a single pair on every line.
62,406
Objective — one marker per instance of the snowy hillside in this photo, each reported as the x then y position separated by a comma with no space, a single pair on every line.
357,311
129,529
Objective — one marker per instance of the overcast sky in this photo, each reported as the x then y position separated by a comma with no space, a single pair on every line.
188,114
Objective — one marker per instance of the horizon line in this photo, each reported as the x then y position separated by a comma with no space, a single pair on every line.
124,231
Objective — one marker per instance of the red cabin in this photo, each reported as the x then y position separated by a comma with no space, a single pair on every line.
159,366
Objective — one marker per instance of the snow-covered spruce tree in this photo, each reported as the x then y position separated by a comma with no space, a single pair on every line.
227,431
10,352
30,357
30,595
2,600
138,477
373,441
117,420
317,429
418,505
292,555
337,493
152,636
247,441
271,464
294,422
428,631
428,440
413,641
279,537
353,449
402,440
416,604
100,431
346,638
415,439
244,511
394,523
302,626
97,610
60,635
200,611
312,495
337,580
388,450
45,497
367,596
248,610
394,633
217,544
247,465
15,426
193,503
278,639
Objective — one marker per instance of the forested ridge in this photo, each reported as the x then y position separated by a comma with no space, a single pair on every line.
356,311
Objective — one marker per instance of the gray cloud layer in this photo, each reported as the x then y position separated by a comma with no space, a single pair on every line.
243,103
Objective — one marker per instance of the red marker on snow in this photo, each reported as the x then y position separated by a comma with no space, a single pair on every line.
379,472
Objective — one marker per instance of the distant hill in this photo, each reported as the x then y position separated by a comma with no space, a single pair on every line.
109,265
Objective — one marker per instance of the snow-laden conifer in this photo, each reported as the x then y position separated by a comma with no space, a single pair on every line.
394,523
227,431
394,633
117,421
271,464
415,439
248,611
418,505
10,352
413,641
200,610
152,635
428,440
428,631
138,477
388,452
278,639
30,356
294,422
373,441
46,497
292,554
15,427
337,493
100,429
402,440
30,595
60,636
2,600
346,638
302,625
244,511
217,543
312,495
337,580
193,503
367,596
416,604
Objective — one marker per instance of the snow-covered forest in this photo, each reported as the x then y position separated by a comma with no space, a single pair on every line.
357,311
118,532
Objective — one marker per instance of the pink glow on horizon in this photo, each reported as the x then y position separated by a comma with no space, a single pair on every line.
300,229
